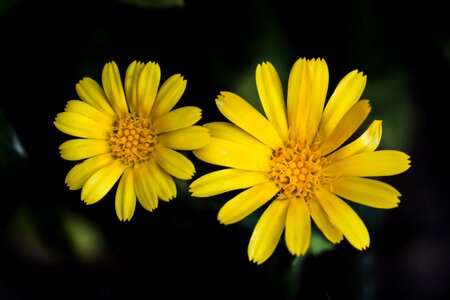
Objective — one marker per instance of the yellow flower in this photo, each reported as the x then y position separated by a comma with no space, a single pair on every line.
130,134
295,155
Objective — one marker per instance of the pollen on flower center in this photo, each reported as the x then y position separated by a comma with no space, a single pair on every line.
297,169
133,139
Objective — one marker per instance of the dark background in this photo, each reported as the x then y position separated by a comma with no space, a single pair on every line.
53,245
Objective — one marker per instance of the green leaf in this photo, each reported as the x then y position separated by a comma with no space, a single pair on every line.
153,3
293,276
319,243
86,240
392,101
27,238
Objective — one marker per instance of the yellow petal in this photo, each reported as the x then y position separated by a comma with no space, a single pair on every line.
90,91
112,84
161,181
349,123
267,232
169,94
322,221
366,191
148,84
345,219
174,163
229,131
270,93
369,164
367,142
78,149
225,180
228,154
81,126
307,89
89,111
125,196
189,138
297,88
178,118
81,172
241,113
298,227
346,94
131,84
144,185
99,184
246,202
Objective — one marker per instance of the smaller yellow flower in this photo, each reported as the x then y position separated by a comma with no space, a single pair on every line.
294,160
131,136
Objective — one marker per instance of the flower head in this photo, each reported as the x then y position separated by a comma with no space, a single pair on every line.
131,136
296,162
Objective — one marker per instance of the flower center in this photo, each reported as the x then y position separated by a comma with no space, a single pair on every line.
297,170
133,139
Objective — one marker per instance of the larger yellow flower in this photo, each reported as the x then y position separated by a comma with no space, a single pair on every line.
295,155
130,134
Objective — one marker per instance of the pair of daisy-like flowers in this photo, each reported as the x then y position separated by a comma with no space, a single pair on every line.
294,160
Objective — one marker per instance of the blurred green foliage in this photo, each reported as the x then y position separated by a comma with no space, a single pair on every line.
8,4
153,3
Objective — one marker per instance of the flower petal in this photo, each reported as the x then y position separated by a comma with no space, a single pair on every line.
229,131
369,192
188,138
369,164
296,90
99,184
131,84
270,93
367,142
90,91
241,113
174,163
80,173
322,221
78,149
246,202
147,88
178,118
162,182
112,84
349,123
81,126
307,89
298,227
267,232
346,94
228,154
87,110
144,186
225,180
169,94
125,196
345,219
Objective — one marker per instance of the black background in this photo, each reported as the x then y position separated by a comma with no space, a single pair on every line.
180,250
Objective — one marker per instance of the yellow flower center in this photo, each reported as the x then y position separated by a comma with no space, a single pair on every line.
133,139
297,170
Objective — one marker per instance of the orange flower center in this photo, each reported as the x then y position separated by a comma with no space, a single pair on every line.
133,139
297,170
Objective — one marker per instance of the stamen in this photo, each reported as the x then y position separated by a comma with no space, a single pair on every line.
297,169
133,139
